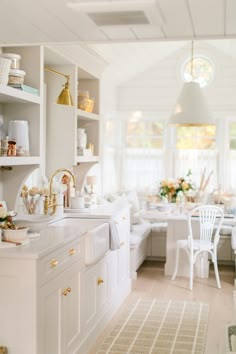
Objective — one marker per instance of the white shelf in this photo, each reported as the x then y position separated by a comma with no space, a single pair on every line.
18,160
87,159
87,115
9,94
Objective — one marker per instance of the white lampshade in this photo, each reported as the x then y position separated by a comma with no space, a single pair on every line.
191,108
91,180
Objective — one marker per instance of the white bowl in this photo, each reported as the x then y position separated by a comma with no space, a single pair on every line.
15,235
35,223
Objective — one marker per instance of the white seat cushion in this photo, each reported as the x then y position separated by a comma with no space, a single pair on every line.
159,226
139,232
197,244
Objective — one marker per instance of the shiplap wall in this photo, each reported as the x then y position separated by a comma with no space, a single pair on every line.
157,88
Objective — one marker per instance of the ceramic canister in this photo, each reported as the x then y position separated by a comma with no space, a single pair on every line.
18,130
81,138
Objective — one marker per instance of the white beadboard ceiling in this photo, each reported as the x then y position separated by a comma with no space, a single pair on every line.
69,24
65,21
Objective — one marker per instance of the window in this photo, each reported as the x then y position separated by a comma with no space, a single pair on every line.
232,136
144,134
203,137
142,154
232,155
202,71
196,150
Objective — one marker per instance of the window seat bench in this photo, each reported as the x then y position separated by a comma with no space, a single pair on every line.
148,241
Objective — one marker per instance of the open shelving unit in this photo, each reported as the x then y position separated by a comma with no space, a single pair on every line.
52,127
63,121
19,105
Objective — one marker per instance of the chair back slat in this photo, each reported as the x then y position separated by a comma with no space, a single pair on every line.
210,220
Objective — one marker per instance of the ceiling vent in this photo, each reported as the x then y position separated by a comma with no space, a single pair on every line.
119,12
119,18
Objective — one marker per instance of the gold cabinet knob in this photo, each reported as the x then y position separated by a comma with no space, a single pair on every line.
54,262
64,293
122,243
68,290
123,218
72,251
100,281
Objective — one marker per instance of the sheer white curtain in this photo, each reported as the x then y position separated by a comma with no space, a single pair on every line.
232,169
197,161
142,168
110,178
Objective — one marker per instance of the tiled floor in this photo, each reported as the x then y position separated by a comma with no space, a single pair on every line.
151,282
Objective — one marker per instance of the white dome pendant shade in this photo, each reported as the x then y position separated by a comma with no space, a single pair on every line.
191,108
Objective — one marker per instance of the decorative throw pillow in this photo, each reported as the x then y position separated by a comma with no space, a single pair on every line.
132,198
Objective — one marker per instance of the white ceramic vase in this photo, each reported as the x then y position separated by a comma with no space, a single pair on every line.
81,138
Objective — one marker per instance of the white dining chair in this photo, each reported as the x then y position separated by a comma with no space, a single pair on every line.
210,220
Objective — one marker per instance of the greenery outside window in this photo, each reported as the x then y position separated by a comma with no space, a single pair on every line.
203,137
144,134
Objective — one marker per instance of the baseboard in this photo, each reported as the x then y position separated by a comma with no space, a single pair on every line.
160,259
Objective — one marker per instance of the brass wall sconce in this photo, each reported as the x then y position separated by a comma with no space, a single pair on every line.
65,95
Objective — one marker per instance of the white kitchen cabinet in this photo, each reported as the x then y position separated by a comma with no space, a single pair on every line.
60,312
95,291
52,301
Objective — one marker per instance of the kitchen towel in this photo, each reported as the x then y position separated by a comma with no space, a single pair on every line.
114,235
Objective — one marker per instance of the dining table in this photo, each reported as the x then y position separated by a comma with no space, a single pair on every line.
177,228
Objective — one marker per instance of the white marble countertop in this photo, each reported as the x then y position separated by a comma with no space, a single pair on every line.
55,235
100,212
61,230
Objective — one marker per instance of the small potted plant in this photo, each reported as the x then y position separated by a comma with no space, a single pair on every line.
10,231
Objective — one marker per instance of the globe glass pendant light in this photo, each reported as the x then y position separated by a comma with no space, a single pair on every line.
191,108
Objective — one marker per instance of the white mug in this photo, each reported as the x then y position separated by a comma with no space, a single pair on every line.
77,202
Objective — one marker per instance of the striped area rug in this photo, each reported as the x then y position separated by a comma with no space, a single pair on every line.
152,326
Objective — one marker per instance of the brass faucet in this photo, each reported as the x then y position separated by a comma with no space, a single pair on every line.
50,200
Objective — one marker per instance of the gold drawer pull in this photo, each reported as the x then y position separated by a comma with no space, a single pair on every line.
64,293
72,251
54,262
100,281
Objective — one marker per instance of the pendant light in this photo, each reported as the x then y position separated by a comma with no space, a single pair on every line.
191,108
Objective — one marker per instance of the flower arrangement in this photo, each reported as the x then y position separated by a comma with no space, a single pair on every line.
6,218
172,188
